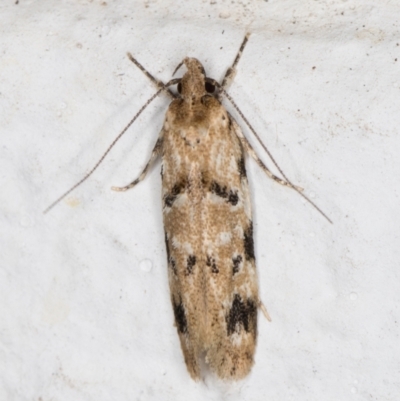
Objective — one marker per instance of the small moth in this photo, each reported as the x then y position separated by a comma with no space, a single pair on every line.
208,221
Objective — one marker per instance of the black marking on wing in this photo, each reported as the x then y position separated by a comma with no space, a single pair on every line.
191,261
211,263
167,245
242,168
177,189
249,242
173,265
180,316
242,315
231,196
170,259
218,190
236,263
229,125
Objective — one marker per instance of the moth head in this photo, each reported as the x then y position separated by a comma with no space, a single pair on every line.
194,84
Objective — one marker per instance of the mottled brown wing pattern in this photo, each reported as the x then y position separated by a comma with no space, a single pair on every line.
209,239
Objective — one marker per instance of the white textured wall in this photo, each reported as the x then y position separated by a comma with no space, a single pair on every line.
84,303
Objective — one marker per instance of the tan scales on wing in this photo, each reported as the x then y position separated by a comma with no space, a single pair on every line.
206,215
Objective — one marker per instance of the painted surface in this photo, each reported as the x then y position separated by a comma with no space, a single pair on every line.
84,299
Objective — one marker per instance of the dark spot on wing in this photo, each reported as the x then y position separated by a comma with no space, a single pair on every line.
248,242
170,260
218,190
236,263
242,315
176,190
229,124
191,261
169,200
242,168
222,191
180,316
167,246
173,265
211,263
233,198
203,179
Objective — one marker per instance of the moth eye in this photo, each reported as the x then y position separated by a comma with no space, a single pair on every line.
179,88
210,88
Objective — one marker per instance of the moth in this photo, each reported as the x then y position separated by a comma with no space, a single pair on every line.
207,220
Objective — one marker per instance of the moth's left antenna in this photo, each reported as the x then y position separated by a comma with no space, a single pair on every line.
106,152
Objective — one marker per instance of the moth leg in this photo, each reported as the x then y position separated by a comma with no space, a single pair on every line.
249,150
264,311
231,72
154,155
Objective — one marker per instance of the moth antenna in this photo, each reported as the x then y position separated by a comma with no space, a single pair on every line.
159,84
163,87
270,155
231,72
177,68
